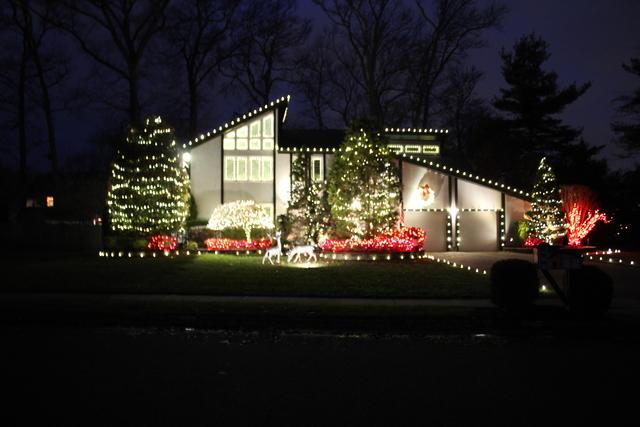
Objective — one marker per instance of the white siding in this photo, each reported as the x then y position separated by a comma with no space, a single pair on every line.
205,172
477,196
414,179
283,183
478,231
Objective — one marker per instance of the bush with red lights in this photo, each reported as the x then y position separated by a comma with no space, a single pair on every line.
532,242
161,242
222,244
404,239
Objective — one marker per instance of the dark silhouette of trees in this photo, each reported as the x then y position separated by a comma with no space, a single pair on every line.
264,57
449,29
628,127
116,35
370,44
533,99
200,32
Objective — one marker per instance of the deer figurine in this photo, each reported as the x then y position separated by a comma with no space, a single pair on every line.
308,250
274,251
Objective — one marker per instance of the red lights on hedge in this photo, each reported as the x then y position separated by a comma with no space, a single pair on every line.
405,239
532,242
161,242
216,244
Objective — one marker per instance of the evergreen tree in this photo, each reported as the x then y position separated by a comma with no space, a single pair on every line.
629,131
149,185
533,100
364,187
546,218
308,208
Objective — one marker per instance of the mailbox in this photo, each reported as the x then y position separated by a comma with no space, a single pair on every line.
557,258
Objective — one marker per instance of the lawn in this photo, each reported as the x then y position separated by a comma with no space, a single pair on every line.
210,274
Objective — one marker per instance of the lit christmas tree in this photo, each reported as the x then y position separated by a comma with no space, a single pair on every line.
364,188
149,191
546,217
308,208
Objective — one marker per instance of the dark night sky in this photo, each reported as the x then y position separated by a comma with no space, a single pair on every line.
589,40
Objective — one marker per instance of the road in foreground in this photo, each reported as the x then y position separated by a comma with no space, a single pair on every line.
74,375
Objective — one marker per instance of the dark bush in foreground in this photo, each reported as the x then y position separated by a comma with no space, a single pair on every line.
514,284
590,291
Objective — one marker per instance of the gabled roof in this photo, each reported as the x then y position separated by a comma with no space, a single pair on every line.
438,165
279,102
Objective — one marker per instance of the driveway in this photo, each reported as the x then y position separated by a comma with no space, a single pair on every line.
626,278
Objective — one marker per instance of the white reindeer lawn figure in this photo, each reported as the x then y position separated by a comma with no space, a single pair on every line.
307,250
274,251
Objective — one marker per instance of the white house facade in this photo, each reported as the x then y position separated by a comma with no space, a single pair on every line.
250,158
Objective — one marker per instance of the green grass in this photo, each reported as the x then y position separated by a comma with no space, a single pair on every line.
241,275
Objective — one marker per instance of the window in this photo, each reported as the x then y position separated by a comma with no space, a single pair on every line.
255,129
267,144
229,168
412,149
241,169
267,126
267,168
316,168
243,132
254,169
396,148
229,141
241,144
254,144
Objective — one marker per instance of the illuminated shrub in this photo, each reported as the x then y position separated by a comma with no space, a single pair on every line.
161,242
404,239
514,284
222,244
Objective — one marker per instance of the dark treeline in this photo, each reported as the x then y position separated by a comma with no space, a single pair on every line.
196,62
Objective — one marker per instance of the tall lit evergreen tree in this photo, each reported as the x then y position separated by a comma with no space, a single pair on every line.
308,208
364,184
546,218
149,185
533,100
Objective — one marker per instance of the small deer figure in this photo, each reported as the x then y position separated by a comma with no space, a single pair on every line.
274,251
308,250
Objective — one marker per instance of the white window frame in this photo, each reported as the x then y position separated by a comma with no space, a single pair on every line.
242,144
268,131
229,160
243,160
266,160
267,143
254,144
258,176
320,161
252,126
412,149
242,131
396,148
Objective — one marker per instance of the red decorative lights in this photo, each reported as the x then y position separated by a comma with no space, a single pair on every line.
216,244
162,242
404,239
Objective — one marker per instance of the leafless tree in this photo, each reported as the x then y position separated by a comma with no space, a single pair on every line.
449,30
271,31
116,35
199,30
371,38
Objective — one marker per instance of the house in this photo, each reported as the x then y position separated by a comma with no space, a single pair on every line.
250,157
